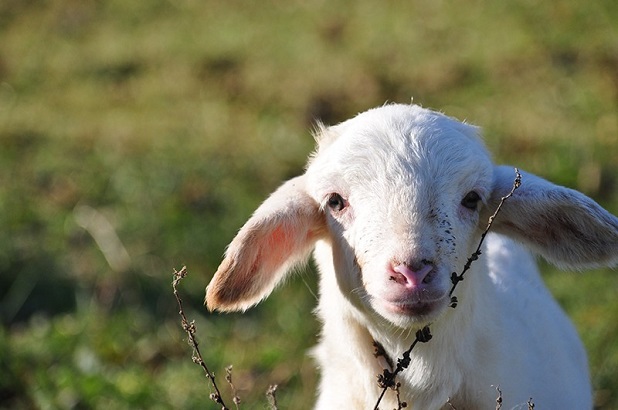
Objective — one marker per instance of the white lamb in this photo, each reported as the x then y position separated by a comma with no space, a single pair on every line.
392,203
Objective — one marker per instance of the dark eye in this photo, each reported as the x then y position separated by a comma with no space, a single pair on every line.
471,200
336,202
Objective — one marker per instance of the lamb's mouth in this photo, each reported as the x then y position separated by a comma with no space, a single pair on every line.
414,309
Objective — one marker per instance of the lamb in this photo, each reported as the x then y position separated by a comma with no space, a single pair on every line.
392,203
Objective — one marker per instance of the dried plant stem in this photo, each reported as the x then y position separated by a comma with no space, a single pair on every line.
499,398
386,380
271,396
458,278
189,328
228,379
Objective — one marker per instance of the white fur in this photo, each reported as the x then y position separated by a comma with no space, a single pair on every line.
402,171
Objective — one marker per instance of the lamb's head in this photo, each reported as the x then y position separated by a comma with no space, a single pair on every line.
401,188
401,194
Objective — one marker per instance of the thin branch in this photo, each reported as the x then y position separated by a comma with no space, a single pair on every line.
458,278
228,379
386,380
271,396
499,398
189,328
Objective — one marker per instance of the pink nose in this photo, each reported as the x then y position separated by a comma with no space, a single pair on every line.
403,275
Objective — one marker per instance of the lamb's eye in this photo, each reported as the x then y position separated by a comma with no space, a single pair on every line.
471,200
336,202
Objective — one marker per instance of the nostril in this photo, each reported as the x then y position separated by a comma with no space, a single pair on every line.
429,275
413,275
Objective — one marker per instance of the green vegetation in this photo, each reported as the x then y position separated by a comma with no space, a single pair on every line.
137,136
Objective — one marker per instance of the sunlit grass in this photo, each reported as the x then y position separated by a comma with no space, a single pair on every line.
174,119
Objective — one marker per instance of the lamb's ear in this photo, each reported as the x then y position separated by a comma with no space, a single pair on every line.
565,226
280,234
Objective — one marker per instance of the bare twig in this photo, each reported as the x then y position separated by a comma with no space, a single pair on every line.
189,328
499,398
530,404
271,396
458,278
228,379
400,404
386,380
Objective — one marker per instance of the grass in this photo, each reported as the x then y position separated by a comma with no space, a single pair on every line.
172,120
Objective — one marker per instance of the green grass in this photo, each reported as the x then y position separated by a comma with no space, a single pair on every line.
172,120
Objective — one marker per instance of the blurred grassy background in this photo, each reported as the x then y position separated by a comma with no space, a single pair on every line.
136,137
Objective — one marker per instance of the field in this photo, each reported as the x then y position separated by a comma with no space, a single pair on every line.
137,137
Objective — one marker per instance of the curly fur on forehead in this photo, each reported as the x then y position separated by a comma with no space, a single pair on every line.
400,141
393,117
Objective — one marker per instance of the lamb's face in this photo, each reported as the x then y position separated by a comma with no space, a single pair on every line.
401,188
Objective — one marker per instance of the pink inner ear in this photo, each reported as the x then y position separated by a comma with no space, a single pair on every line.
274,252
271,249
272,246
285,243
279,234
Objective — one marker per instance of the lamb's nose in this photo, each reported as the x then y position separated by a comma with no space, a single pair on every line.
405,275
